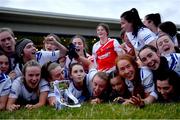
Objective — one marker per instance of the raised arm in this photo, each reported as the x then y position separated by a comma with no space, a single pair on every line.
62,48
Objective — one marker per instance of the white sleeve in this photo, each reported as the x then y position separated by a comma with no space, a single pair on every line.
174,62
91,74
5,84
129,85
93,49
45,56
147,81
117,46
15,88
94,54
146,35
89,78
43,86
17,71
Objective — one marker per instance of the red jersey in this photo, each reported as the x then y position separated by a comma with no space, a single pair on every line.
106,54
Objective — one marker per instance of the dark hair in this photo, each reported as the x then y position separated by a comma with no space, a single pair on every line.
112,74
105,26
154,49
122,34
169,28
156,18
1,54
72,65
138,87
85,91
132,16
172,77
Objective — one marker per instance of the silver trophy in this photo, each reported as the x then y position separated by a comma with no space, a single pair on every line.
63,95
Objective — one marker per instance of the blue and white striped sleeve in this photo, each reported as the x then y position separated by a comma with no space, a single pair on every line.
174,62
147,35
147,81
5,84
45,56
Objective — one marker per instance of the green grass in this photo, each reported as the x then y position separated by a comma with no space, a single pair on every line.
101,111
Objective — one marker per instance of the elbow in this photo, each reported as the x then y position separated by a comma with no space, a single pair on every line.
2,106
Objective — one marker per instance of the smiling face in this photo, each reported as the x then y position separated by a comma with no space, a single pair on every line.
7,42
29,52
165,89
32,76
126,69
79,45
101,32
165,45
150,58
125,25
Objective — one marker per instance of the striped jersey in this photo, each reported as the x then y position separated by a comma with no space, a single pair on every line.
5,84
174,62
144,36
146,81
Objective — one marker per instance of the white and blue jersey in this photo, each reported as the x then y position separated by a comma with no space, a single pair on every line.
144,36
147,82
42,57
5,84
78,93
18,90
174,62
45,56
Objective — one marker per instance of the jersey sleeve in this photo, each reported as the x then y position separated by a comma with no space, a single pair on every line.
44,86
146,35
174,62
5,84
147,81
45,56
15,88
94,54
89,78
117,46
